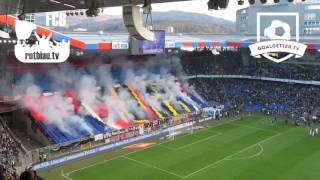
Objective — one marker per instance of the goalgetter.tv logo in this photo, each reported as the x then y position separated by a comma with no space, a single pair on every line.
277,35
43,50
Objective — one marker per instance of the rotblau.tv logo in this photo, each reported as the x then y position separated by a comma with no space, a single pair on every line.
43,50
277,43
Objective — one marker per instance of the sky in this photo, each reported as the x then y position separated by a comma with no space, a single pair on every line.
196,6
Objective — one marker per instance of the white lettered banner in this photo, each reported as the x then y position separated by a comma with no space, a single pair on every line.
265,47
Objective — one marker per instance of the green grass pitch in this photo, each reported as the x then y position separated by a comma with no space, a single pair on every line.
246,149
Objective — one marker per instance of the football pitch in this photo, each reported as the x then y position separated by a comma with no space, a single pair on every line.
247,148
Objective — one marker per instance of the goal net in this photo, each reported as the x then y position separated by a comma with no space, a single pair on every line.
182,129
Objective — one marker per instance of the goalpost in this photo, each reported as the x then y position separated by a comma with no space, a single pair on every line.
182,129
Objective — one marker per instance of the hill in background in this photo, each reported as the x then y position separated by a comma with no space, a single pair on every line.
180,22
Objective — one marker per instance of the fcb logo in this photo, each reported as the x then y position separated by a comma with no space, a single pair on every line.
277,36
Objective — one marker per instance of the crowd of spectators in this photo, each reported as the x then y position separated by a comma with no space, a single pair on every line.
201,63
292,100
295,72
8,155
230,63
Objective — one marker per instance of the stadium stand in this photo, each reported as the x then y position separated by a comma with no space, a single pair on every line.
76,132
216,65
292,100
9,151
70,130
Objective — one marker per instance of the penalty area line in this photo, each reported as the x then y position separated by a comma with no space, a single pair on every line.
66,176
248,157
193,143
152,166
252,127
229,156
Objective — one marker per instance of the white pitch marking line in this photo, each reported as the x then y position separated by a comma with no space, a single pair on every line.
219,161
94,164
248,157
205,139
65,175
152,166
107,160
252,127
167,147
104,161
201,130
111,159
196,142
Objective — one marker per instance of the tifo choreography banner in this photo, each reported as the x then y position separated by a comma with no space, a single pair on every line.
290,47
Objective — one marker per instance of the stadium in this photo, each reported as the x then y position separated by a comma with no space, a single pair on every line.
148,101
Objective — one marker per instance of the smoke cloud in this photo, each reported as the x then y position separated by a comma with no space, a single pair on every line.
105,86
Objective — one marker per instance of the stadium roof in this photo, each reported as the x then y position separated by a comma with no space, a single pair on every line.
90,41
33,6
